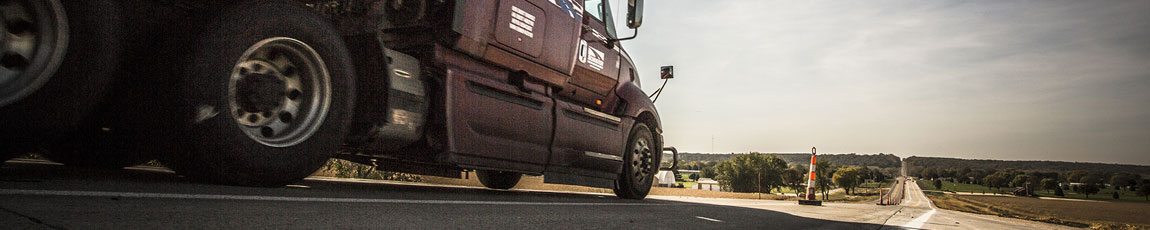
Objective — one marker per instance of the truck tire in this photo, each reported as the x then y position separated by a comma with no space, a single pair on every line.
76,114
94,47
498,179
264,95
639,164
36,36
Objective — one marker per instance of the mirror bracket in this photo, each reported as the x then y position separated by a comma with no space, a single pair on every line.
611,42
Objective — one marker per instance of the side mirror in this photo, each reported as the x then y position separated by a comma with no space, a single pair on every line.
634,13
666,72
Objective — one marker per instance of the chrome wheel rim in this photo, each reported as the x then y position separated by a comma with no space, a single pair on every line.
33,38
641,161
279,92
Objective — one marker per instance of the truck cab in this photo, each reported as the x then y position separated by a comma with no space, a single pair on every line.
264,92
544,87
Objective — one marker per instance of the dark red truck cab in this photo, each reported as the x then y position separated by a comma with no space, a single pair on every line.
264,92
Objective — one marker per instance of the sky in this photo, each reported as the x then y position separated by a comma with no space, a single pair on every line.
1009,80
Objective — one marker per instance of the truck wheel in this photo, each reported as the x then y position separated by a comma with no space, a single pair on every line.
264,96
639,166
69,114
35,35
91,32
498,179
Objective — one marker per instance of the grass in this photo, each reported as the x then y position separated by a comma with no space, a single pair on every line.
348,169
958,187
1098,215
536,183
853,198
685,179
1103,195
866,192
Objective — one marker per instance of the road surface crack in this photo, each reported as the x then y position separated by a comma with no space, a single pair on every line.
30,218
888,218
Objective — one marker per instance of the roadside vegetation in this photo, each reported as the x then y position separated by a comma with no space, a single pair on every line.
1098,200
347,169
536,183
769,173
1035,166
880,160
1082,214
1103,194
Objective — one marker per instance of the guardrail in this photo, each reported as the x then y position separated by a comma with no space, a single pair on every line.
895,195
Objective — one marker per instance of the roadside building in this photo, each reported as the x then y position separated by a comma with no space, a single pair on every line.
708,184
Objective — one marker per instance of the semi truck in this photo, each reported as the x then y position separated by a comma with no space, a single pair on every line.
264,92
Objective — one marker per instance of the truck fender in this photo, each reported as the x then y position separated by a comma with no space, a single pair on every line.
636,103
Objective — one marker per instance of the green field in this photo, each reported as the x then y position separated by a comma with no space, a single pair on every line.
686,180
1106,194
1103,195
957,187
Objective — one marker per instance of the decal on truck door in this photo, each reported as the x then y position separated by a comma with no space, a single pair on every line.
522,22
590,56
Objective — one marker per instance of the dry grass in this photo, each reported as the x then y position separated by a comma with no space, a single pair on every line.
853,198
1096,215
536,183
348,169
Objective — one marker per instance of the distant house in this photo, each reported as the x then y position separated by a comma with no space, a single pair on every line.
708,184
665,178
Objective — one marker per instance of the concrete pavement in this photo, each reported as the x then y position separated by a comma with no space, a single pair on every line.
917,212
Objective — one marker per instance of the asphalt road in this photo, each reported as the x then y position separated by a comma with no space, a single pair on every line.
39,195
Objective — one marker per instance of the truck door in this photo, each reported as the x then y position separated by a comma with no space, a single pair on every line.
588,139
596,69
504,119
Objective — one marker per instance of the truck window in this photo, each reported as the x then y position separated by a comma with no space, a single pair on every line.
601,10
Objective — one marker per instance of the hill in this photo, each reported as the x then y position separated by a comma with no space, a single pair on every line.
1044,166
878,160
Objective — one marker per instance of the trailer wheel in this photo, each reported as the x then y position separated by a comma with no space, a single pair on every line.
498,179
639,164
265,95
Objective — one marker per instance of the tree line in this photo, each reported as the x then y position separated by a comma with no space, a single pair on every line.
756,172
880,160
1046,166
1085,182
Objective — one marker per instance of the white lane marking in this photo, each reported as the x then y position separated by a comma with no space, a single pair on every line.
301,199
704,218
917,223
